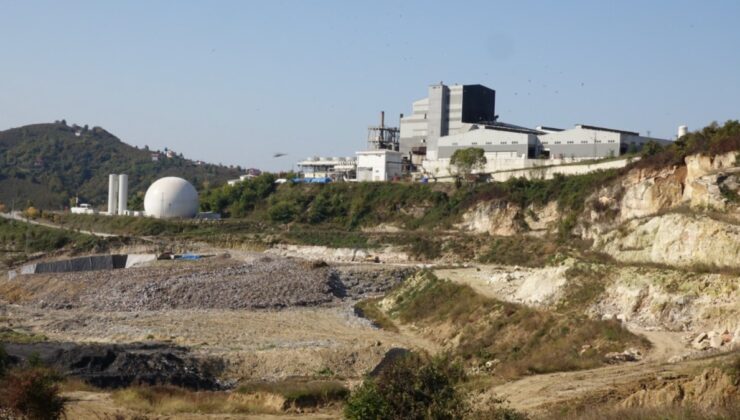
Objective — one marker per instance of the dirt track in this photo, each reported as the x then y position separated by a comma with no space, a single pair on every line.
536,392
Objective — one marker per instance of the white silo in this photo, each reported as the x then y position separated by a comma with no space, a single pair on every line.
112,194
171,197
122,193
682,130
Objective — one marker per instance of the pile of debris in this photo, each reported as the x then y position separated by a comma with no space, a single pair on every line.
716,340
115,366
262,283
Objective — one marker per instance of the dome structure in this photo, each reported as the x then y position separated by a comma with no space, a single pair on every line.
171,197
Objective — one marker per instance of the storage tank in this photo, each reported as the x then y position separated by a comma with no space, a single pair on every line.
122,194
682,130
112,194
171,197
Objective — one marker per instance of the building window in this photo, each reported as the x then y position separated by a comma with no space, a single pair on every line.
474,143
544,142
597,141
557,142
514,142
488,142
584,141
503,142
570,142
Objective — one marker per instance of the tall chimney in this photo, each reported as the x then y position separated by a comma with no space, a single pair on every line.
112,194
382,119
122,194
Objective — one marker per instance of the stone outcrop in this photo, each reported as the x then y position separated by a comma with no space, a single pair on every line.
499,218
493,217
683,240
711,388
648,192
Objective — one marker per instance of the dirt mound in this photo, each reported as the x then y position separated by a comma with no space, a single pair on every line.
216,284
712,388
114,366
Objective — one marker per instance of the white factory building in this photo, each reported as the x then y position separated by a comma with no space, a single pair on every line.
463,116
457,117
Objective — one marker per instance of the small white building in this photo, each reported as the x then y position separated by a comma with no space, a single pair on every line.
335,168
379,165
83,209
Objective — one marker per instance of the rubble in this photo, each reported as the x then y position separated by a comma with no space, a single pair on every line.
263,283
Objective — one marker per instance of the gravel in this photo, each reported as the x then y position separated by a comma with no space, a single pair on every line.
264,283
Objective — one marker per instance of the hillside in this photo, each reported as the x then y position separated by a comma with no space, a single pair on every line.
50,164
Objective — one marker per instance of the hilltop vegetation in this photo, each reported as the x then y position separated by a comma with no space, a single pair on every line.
50,164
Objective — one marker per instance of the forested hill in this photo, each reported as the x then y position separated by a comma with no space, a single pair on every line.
50,164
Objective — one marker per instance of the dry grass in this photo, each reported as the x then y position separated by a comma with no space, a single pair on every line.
368,308
652,413
167,400
251,398
525,340
8,335
299,393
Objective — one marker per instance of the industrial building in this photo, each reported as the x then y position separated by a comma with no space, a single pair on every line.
463,116
457,117
328,168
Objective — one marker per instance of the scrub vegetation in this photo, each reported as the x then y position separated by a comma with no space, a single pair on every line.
524,340
49,165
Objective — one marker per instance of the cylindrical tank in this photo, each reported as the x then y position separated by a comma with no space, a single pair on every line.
112,194
122,193
171,197
682,130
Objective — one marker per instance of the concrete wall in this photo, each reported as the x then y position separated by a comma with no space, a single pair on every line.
548,172
502,167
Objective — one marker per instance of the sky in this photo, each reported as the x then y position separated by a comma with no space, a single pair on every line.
235,82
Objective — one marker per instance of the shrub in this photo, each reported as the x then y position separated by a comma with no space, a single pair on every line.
410,388
32,394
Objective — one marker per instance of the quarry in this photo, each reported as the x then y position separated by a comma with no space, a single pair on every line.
587,294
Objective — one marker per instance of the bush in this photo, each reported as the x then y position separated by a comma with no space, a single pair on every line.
32,394
410,388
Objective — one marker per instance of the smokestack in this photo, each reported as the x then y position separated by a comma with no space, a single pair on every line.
682,131
122,193
112,194
382,119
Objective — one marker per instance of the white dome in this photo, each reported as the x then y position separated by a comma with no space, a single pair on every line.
171,197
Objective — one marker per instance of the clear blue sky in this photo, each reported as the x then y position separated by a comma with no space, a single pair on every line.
234,82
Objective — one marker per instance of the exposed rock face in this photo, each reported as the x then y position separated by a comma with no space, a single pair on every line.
493,217
712,388
499,218
542,219
673,300
675,239
648,192
704,175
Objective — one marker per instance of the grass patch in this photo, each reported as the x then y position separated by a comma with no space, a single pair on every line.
368,308
522,250
8,335
299,393
524,339
169,400
585,284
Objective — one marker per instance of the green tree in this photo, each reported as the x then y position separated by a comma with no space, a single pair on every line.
467,160
410,388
